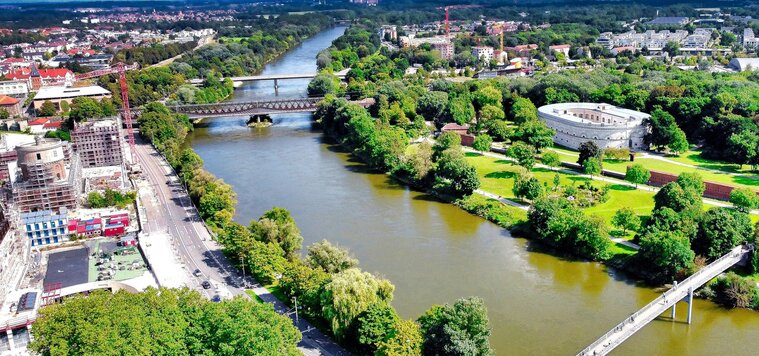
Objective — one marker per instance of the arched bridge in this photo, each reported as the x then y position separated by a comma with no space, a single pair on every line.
247,108
250,108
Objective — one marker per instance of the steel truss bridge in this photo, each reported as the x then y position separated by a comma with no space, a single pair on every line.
246,108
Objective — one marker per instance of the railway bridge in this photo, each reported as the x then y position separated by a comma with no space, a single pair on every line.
250,108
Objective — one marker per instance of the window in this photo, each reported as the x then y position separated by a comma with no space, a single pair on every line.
39,156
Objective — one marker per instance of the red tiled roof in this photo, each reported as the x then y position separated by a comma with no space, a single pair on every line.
7,100
24,73
53,125
40,121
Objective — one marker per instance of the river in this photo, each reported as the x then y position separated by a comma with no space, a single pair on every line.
435,253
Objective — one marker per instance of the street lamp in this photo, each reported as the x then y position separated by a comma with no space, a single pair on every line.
295,300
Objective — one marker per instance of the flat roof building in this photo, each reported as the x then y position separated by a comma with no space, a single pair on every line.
604,124
45,227
56,95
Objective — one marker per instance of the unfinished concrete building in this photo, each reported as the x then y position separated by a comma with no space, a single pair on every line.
98,143
47,178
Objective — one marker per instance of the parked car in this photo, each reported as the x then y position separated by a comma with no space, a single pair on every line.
197,273
216,298
206,285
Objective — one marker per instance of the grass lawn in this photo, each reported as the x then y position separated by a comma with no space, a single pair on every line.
694,158
620,249
254,296
497,176
745,179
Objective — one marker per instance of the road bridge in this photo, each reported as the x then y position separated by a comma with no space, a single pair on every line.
682,291
274,77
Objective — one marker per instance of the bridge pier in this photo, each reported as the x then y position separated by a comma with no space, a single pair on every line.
690,305
11,342
276,87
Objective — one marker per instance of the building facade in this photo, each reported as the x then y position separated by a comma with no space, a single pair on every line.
48,176
45,227
483,53
15,88
604,124
98,143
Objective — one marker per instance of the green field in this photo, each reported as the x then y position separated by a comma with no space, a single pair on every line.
743,179
497,176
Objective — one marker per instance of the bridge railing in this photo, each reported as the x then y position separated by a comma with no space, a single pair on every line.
732,254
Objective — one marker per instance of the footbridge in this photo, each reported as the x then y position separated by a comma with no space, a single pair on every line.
682,291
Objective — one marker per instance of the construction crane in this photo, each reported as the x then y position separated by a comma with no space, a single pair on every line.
447,30
120,69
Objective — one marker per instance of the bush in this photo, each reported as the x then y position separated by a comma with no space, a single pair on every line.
734,291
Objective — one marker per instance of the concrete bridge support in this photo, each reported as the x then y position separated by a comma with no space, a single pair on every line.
688,299
11,342
276,87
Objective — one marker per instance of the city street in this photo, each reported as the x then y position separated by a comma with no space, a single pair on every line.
174,214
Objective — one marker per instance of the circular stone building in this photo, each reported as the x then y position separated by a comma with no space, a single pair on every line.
604,124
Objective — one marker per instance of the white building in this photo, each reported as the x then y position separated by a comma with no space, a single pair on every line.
604,124
744,64
484,53
749,40
14,87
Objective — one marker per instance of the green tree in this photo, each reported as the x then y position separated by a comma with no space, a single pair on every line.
454,175
486,95
527,186
84,108
499,130
350,293
420,162
587,150
692,181
734,291
460,110
550,159
523,110
96,200
277,226
665,253
672,48
637,174
323,84
166,321
305,283
432,105
459,329
679,142
744,199
482,143
536,133
720,230
375,325
445,141
47,109
673,196
523,153
266,261
404,339
189,161
4,115
330,258
743,148
626,219
592,166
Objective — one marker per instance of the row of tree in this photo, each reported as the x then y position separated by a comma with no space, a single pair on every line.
330,289
162,322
